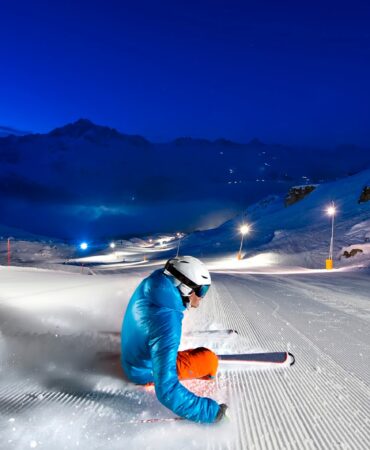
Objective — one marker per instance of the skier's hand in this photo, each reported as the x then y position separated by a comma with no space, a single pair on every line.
222,413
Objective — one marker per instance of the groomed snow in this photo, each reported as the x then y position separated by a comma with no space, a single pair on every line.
61,385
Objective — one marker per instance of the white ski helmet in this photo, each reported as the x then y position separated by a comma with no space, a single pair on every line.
190,275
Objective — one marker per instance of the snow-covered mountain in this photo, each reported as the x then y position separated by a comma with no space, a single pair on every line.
299,233
93,178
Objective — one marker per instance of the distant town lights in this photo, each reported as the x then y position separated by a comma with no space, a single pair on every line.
83,246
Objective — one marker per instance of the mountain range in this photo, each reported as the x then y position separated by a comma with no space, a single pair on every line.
100,181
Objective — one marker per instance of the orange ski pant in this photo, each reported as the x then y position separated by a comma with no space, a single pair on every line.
197,363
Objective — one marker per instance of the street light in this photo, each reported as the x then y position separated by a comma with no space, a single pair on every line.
8,247
179,237
83,246
331,212
112,245
244,229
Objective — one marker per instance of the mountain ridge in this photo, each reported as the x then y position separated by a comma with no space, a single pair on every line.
90,176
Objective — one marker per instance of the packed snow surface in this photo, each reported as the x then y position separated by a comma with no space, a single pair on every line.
61,385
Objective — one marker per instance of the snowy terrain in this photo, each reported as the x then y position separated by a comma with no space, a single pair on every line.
63,182
298,234
61,385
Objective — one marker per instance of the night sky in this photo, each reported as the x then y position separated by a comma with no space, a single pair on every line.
292,72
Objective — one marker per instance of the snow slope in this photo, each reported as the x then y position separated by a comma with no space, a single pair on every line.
61,386
36,252
299,234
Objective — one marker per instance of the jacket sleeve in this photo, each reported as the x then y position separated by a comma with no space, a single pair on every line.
164,342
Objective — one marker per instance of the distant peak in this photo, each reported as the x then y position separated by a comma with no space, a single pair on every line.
84,128
74,129
84,123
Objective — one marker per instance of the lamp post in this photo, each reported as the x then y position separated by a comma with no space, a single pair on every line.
244,229
179,236
331,212
8,251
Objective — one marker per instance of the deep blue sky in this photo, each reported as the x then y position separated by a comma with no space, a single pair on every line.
285,71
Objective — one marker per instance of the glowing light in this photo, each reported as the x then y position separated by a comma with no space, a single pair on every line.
112,245
331,210
244,229
83,246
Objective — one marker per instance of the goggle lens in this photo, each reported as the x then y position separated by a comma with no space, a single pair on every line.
201,291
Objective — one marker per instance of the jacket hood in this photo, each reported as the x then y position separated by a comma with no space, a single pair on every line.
161,290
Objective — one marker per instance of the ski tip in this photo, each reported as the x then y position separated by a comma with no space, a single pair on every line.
292,359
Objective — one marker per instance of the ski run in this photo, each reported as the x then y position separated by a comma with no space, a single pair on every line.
58,392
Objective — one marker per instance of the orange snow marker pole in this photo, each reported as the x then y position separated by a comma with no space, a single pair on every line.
329,264
8,251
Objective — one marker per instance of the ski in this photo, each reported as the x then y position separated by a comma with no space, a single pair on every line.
114,334
215,333
195,333
155,420
272,359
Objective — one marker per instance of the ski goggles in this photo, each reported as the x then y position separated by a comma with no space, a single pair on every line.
201,291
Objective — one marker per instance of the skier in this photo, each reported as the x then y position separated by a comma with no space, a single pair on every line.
151,334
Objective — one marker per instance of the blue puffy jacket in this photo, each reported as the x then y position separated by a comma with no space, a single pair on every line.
150,338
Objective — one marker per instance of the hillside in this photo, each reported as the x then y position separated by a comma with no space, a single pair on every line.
102,182
301,230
